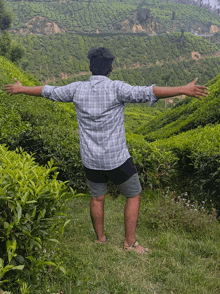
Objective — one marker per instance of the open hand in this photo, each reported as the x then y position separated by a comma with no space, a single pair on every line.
195,90
13,89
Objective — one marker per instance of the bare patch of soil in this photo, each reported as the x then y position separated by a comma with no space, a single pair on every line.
196,55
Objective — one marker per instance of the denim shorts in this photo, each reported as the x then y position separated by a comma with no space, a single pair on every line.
125,177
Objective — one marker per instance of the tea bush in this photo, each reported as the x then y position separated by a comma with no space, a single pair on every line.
187,116
198,164
155,166
31,209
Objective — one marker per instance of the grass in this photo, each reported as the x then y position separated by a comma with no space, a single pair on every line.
180,260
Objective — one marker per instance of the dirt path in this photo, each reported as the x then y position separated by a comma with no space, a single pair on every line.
194,55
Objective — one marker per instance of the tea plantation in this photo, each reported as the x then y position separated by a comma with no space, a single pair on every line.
41,168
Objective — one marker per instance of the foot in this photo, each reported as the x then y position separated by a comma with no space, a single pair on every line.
102,240
135,246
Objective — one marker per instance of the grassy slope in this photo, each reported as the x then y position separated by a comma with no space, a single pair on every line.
180,260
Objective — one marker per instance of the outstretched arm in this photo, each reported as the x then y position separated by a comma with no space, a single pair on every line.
190,90
17,88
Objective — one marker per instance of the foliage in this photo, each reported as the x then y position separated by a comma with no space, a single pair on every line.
5,17
71,16
108,16
49,134
65,55
185,117
8,48
154,166
191,132
198,162
31,210
177,212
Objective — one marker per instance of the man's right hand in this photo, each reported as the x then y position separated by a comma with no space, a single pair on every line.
14,89
17,88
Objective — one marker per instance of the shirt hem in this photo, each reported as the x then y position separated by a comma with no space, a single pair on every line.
106,169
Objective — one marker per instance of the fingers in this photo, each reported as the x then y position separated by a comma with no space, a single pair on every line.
9,89
17,81
195,80
202,91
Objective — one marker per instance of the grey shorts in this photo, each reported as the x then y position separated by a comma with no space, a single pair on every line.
125,177
129,188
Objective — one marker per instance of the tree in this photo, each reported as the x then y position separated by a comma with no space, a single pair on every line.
5,17
143,14
8,48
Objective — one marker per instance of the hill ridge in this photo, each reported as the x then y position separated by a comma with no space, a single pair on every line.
82,16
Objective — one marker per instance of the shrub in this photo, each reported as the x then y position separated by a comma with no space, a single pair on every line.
31,208
187,116
198,163
155,166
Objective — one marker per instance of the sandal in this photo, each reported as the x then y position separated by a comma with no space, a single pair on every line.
134,247
99,242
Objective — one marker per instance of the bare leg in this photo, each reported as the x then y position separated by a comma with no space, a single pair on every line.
131,217
97,216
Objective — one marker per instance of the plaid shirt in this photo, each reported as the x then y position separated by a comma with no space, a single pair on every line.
100,104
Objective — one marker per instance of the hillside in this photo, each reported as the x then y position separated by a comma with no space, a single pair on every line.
172,59
152,16
187,115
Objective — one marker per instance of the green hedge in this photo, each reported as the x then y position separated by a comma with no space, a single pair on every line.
188,116
31,210
197,168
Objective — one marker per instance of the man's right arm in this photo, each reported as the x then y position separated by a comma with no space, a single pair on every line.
17,88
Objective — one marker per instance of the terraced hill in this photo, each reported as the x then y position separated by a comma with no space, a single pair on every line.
187,115
51,17
172,59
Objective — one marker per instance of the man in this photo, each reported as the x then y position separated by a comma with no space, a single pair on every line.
100,104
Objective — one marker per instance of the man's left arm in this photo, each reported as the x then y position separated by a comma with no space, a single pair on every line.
190,90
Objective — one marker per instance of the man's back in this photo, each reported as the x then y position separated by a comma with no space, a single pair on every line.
100,104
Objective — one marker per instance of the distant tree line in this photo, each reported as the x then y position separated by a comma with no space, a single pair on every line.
8,48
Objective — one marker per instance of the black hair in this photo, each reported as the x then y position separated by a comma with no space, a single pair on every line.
100,61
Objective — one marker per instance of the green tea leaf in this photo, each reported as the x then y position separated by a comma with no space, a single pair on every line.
54,240
62,269
19,212
18,267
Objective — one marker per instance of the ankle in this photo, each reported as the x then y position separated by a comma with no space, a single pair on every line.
129,242
101,238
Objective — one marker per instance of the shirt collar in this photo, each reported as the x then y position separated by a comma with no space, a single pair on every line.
98,78
95,80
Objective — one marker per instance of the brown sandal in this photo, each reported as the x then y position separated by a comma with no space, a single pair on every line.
134,247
